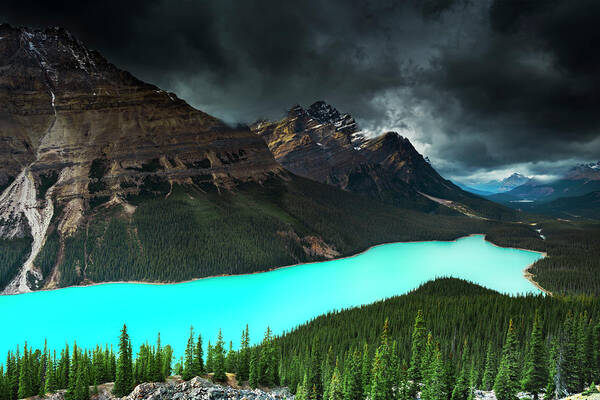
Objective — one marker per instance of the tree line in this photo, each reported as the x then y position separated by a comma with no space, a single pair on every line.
550,367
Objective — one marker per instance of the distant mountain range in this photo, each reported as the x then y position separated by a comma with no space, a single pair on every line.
496,186
578,181
573,195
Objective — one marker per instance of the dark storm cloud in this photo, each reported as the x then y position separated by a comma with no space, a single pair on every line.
477,84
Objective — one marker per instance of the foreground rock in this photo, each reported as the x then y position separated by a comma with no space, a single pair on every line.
195,389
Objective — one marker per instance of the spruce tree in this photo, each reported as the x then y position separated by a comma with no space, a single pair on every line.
536,364
166,360
50,384
506,384
219,359
25,375
254,374
366,371
568,356
210,358
198,363
335,386
554,384
188,364
419,337
314,378
302,390
124,374
230,360
382,380
403,387
596,353
489,373
461,388
434,387
353,389
243,364
81,389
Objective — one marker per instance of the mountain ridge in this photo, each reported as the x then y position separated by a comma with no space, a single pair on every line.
322,144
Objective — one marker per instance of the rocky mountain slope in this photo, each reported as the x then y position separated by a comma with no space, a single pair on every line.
323,144
107,178
76,132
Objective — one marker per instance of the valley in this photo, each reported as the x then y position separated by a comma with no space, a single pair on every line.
262,299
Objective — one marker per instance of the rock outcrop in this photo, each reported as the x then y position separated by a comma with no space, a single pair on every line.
76,132
195,389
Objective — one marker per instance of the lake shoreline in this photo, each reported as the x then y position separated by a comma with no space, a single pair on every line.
526,273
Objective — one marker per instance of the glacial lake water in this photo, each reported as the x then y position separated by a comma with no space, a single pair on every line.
281,299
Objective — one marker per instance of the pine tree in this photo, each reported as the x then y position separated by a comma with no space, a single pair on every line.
124,374
219,359
403,387
50,384
230,359
157,362
302,390
166,361
198,362
335,386
506,385
596,353
188,365
434,387
314,378
489,373
461,388
536,364
473,379
353,389
382,379
268,362
366,371
243,364
569,368
419,336
254,374
25,375
210,358
553,385
81,390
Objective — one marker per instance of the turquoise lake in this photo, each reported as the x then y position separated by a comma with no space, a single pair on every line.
281,299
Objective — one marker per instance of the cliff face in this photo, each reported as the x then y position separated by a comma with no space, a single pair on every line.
322,144
76,132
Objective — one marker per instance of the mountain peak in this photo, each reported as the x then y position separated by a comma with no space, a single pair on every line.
323,112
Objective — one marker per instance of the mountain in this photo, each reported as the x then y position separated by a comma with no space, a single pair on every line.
578,181
470,189
496,186
323,144
78,133
104,177
585,206
512,182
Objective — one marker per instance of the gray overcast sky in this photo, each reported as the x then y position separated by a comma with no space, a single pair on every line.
482,87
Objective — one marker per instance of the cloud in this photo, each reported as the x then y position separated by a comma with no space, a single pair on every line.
479,86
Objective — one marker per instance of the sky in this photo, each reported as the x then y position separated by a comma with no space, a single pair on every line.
483,88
